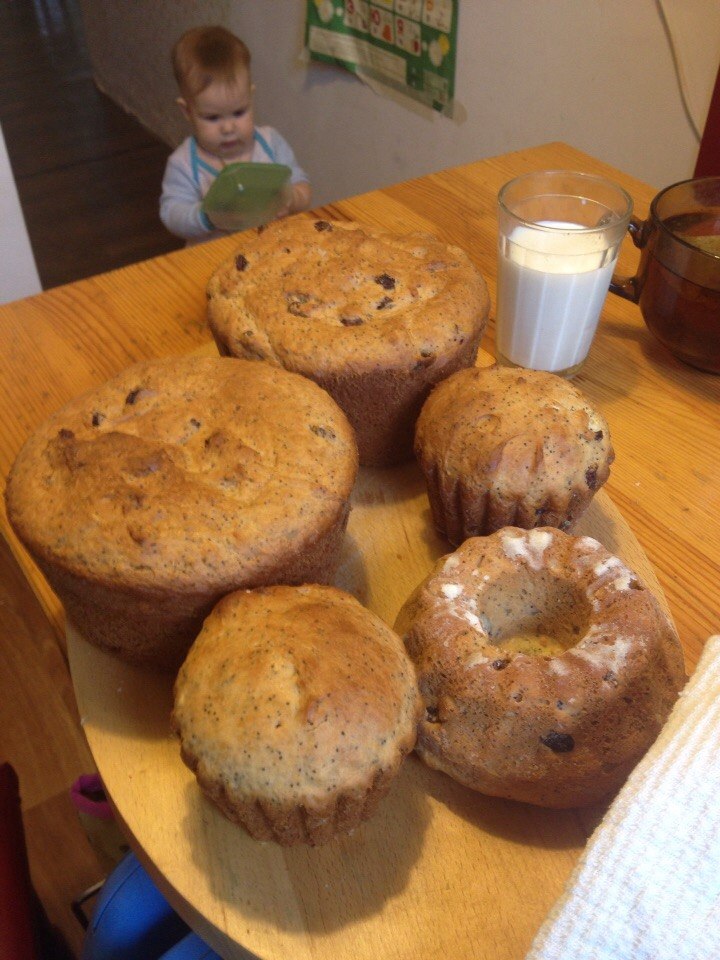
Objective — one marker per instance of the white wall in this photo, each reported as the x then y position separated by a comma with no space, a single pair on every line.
18,272
597,74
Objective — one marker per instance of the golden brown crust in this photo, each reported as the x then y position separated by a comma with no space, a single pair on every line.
547,669
295,708
502,447
177,481
375,318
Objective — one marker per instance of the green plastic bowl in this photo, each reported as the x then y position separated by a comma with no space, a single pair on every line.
245,195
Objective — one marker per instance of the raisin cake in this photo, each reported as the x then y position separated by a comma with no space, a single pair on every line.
179,480
375,318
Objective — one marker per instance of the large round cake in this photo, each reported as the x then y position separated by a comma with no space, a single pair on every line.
375,318
146,500
546,667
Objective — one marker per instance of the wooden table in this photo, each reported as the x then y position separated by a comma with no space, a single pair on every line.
664,422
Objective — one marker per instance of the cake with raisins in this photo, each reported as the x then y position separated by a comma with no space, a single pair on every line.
508,447
146,500
546,667
376,318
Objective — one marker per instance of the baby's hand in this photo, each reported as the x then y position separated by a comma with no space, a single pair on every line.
298,198
286,207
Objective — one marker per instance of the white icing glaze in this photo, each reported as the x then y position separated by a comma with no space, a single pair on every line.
588,543
602,576
539,539
529,546
485,577
452,590
604,656
558,665
475,661
595,423
462,606
472,619
604,565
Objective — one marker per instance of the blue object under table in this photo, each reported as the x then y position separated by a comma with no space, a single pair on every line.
133,921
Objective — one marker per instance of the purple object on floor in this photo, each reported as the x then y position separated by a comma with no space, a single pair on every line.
88,796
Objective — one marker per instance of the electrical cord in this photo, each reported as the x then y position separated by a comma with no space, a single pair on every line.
682,83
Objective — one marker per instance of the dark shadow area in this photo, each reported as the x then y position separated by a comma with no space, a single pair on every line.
88,175
314,889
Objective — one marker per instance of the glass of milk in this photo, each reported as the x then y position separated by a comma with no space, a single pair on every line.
559,237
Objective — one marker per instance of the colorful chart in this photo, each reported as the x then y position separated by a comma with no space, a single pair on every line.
409,45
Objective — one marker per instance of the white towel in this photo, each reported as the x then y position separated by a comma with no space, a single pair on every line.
648,884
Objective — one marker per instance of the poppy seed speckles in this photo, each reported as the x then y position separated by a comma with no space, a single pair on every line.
318,700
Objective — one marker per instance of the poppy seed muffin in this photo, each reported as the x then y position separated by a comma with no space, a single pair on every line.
546,667
375,318
508,447
147,499
295,708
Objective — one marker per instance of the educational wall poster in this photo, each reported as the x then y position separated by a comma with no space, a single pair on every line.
409,45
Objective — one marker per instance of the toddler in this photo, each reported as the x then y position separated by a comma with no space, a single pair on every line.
212,69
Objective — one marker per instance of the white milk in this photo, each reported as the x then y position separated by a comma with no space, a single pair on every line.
551,288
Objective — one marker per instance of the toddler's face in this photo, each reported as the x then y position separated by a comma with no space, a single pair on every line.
222,118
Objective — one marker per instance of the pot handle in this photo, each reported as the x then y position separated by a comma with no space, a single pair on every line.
629,287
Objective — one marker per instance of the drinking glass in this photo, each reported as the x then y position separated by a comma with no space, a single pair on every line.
559,237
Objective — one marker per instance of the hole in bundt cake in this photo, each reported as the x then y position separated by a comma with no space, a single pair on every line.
535,613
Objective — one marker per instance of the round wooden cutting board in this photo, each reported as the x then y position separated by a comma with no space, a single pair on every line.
439,872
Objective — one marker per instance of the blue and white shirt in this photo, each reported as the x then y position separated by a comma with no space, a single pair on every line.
188,178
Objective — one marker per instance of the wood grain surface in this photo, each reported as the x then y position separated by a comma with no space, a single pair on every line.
664,419
438,870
